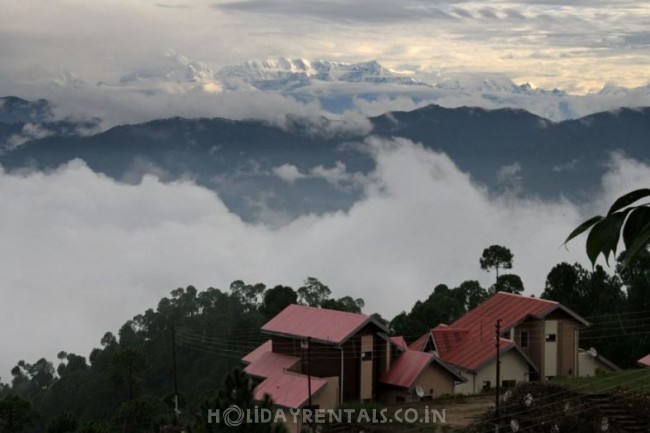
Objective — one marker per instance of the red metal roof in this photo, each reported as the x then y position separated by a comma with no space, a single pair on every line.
469,341
420,343
267,346
511,309
320,324
446,339
399,341
405,370
269,364
289,389
473,351
645,361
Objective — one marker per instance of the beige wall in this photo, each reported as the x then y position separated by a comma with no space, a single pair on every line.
513,367
293,427
328,397
433,377
588,365
567,333
437,379
550,349
535,349
365,392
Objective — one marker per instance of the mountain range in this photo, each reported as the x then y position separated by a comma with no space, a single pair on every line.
176,85
309,165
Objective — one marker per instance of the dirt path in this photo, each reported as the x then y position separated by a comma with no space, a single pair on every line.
460,415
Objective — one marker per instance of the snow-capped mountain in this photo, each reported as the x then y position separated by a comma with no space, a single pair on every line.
172,68
490,84
288,74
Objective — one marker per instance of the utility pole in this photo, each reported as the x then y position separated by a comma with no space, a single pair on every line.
498,340
309,382
176,410
309,369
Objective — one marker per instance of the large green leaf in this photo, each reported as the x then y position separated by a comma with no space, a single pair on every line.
628,199
641,242
603,237
582,227
635,223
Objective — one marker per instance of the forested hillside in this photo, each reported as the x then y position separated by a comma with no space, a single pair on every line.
127,383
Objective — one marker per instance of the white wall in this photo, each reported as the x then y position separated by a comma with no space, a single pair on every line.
513,367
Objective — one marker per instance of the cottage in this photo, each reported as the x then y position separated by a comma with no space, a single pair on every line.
341,356
538,340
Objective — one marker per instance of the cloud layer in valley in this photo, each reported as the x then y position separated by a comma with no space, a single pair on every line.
82,253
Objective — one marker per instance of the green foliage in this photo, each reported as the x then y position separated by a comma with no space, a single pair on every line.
471,294
632,222
509,283
444,305
144,414
236,390
126,369
587,293
313,292
496,257
277,299
636,280
16,414
610,302
346,303
64,423
129,374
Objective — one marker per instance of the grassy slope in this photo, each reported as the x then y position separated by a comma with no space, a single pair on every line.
631,380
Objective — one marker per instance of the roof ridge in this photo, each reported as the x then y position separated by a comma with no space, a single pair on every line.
309,307
519,296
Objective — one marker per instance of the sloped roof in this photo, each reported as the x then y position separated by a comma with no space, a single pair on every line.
270,364
288,389
320,324
267,346
446,338
469,342
511,309
399,341
645,361
474,353
405,370
421,342
601,358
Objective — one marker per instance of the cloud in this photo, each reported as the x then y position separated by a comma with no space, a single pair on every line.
82,253
606,40
369,11
288,173
509,178
336,175
30,131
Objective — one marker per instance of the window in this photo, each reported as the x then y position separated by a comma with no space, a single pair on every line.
508,383
365,356
486,385
523,339
550,338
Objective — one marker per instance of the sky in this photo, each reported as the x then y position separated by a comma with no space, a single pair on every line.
574,45
82,253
